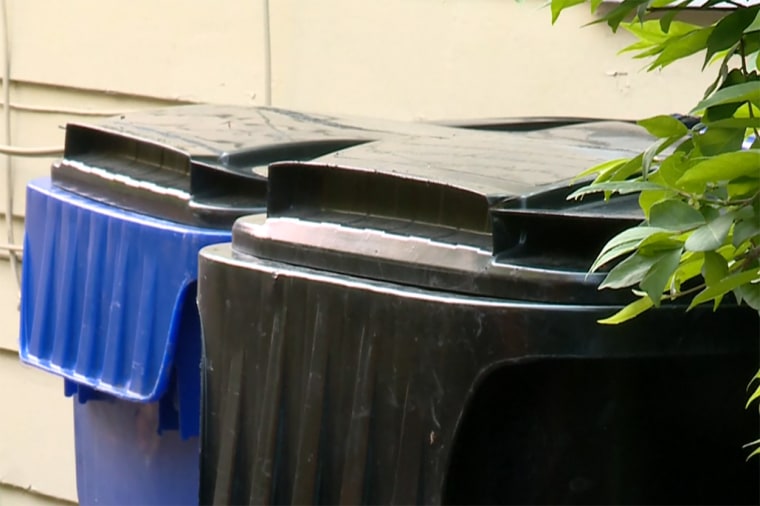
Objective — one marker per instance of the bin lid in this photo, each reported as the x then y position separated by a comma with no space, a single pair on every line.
480,213
108,299
195,164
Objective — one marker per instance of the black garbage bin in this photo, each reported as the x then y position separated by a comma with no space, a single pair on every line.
421,330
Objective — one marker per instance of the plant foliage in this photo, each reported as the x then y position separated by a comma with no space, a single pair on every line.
699,186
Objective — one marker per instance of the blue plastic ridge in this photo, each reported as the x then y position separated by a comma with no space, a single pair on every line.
108,299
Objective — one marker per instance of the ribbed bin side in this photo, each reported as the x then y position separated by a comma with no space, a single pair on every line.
103,292
309,401
322,389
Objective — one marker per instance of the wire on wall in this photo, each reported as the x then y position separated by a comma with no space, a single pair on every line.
267,55
10,236
8,150
61,110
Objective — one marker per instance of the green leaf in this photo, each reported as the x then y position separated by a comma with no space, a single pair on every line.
602,168
629,272
632,310
722,111
732,78
734,123
756,451
730,95
742,248
711,235
559,5
751,295
656,279
724,167
721,77
666,21
641,10
716,192
710,213
744,112
725,285
664,126
714,268
652,50
721,55
625,242
675,215
659,242
754,26
748,212
729,30
652,33
623,9
682,46
751,50
652,151
636,46
743,187
749,385
690,267
685,148
715,141
621,187
632,166
648,198
673,167
745,230
751,399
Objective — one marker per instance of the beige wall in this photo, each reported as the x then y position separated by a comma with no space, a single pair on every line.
406,59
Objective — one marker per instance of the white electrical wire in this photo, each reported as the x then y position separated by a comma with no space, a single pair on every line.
62,110
7,123
30,152
267,55
11,247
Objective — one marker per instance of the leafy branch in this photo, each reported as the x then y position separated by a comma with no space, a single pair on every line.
698,185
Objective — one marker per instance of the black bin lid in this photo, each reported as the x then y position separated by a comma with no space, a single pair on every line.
203,164
479,213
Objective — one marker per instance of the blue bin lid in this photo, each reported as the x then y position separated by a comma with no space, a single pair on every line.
103,291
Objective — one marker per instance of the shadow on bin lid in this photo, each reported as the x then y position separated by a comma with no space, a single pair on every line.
478,214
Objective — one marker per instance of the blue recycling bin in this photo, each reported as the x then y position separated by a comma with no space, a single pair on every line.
109,304
110,274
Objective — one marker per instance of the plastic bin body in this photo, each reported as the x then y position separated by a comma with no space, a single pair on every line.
126,337
110,270
122,459
412,333
348,391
